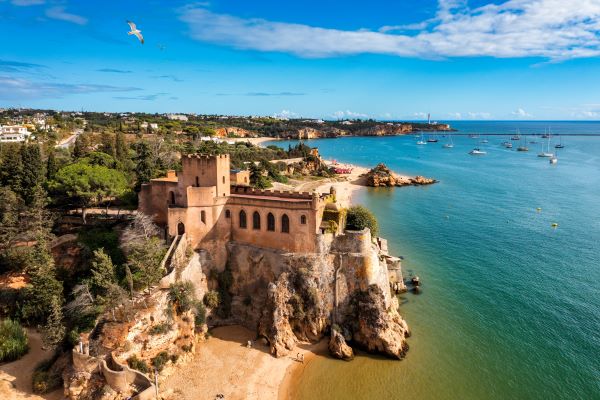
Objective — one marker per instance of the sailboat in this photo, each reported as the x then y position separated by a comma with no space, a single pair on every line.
546,134
422,141
559,145
485,140
432,139
450,144
523,146
546,153
517,136
553,159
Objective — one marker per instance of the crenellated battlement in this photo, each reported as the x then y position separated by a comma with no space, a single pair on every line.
208,156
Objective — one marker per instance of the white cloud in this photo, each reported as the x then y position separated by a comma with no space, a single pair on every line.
17,88
348,115
479,115
286,114
455,115
551,29
60,14
26,3
520,113
420,115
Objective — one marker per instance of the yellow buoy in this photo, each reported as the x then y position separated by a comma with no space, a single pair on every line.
554,225
538,209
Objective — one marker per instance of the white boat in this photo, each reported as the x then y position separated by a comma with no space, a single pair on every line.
508,145
485,140
559,145
546,153
523,146
422,141
477,152
450,144
553,160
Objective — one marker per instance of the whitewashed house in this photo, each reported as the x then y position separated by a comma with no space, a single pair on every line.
14,133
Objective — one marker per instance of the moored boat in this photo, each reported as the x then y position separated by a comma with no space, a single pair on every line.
477,152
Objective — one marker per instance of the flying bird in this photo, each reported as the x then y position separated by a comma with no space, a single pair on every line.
135,31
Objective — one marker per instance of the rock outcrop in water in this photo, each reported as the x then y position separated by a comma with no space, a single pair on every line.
382,176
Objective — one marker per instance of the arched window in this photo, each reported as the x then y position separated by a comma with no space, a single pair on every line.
227,214
203,216
243,224
256,220
180,228
285,224
172,194
303,219
223,179
271,222
197,182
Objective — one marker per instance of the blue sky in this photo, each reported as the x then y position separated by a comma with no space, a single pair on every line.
457,59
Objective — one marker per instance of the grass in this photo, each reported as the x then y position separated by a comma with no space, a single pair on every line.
14,342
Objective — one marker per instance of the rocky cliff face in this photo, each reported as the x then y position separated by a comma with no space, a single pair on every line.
382,176
233,130
289,297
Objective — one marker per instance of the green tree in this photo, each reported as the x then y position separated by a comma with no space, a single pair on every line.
11,169
107,144
121,150
103,274
32,175
82,146
144,260
44,292
9,215
145,167
51,166
53,331
359,218
88,185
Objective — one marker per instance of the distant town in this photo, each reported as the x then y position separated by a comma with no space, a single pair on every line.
20,125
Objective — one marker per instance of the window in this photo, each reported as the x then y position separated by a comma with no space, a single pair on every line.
197,182
256,220
227,214
303,219
243,219
285,224
271,222
203,216
172,194
223,179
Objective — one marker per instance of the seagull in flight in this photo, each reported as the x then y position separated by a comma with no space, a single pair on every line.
135,31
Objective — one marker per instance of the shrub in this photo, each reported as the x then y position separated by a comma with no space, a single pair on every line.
136,363
45,379
211,299
181,294
199,314
160,360
359,218
160,329
13,341
187,348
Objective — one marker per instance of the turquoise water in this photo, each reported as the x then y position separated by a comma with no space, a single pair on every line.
510,307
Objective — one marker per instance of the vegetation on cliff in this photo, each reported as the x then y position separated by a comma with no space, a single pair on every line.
359,218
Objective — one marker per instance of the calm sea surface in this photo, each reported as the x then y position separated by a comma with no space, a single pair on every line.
510,307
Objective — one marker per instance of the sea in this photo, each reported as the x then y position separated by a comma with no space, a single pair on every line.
510,306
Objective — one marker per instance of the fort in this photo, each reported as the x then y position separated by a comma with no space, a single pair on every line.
203,203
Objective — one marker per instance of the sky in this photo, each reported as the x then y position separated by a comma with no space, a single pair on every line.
381,59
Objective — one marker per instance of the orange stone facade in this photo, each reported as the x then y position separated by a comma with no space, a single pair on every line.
202,203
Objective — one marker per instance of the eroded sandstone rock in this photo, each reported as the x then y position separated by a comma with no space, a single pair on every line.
338,347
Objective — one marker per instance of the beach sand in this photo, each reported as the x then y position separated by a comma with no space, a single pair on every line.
223,364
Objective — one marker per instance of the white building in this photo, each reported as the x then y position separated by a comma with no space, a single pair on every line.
152,126
177,117
14,133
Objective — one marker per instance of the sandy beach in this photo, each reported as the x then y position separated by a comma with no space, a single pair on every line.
224,365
